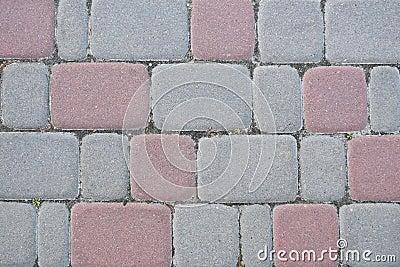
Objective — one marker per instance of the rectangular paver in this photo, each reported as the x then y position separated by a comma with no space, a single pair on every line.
38,165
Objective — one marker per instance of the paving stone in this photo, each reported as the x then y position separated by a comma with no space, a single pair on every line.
222,29
278,89
18,234
323,169
98,96
72,29
247,169
256,234
361,31
373,227
162,167
373,168
197,97
38,165
384,99
335,99
53,235
104,169
206,234
300,228
25,95
145,30
290,31
111,234
26,28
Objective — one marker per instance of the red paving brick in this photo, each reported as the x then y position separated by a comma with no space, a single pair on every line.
374,168
97,95
335,99
305,227
26,28
162,167
105,234
223,29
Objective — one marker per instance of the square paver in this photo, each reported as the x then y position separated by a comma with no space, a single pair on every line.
302,228
139,30
162,167
371,231
362,31
323,168
335,99
104,169
222,29
25,96
373,167
26,28
111,234
290,31
206,234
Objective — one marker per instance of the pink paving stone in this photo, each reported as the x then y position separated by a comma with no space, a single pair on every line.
223,29
335,99
374,168
110,234
162,167
98,95
305,227
26,28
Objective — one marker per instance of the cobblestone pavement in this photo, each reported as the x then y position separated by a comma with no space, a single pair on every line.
200,133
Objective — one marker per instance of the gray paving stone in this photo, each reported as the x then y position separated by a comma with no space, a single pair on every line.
200,96
25,95
374,227
139,30
53,235
17,235
360,31
277,91
38,165
290,31
322,168
104,171
384,99
243,168
205,234
256,234
72,29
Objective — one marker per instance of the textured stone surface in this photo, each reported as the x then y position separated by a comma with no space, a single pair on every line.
114,235
26,28
206,234
305,227
162,167
373,168
145,30
25,95
335,99
290,31
373,227
72,29
361,31
17,234
277,91
247,169
53,235
323,168
197,97
104,169
43,165
256,234
384,99
98,95
222,29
